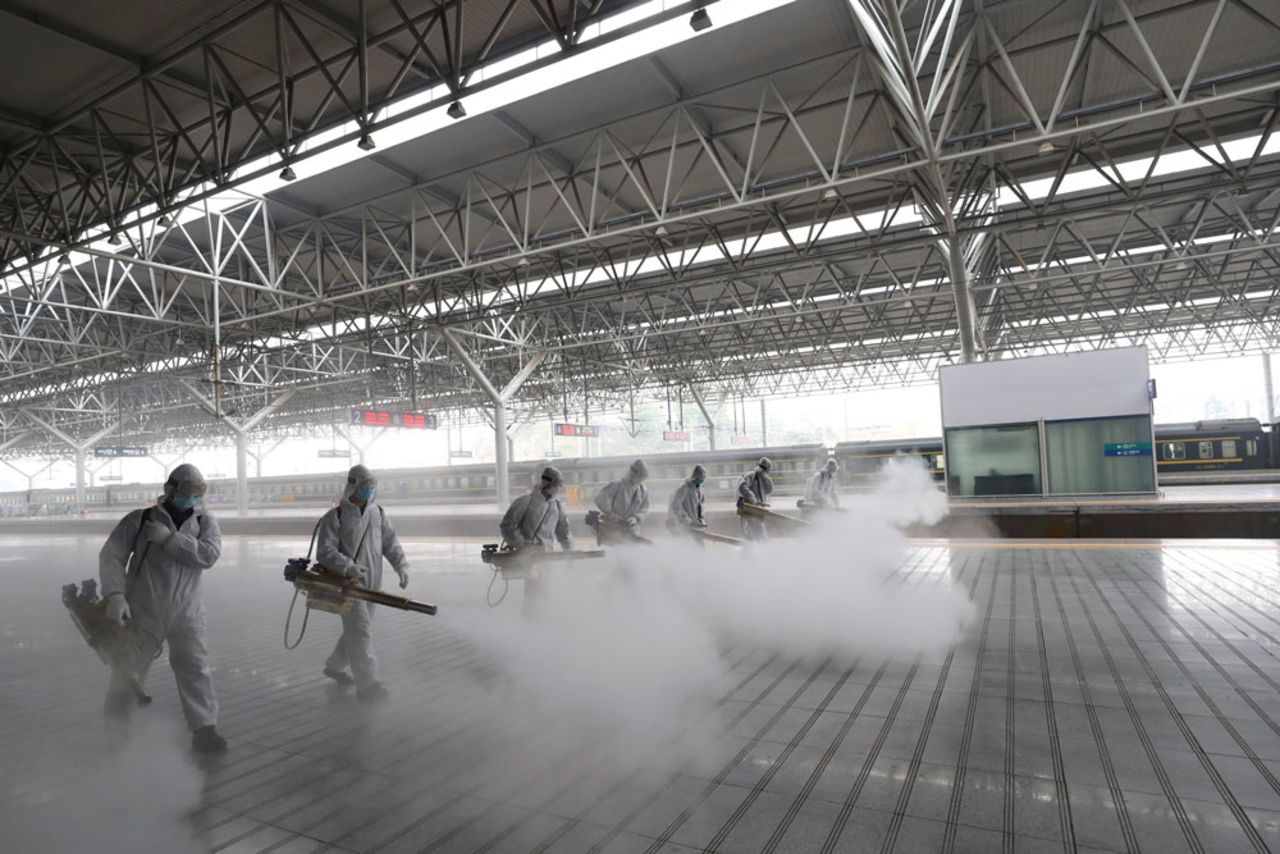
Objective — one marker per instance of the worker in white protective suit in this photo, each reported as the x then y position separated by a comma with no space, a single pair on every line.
353,539
684,512
623,504
538,517
820,491
151,568
755,488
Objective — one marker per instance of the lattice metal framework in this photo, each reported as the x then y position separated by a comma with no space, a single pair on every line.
932,182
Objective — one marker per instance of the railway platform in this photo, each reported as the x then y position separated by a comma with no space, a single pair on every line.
1111,696
1239,510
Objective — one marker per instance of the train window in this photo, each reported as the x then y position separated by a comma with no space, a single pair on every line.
1228,447
1175,450
1251,447
1206,450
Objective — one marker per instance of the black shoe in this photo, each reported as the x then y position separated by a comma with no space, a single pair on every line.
341,677
375,693
207,740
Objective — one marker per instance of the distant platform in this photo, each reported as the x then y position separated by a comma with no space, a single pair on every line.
1109,696
1242,510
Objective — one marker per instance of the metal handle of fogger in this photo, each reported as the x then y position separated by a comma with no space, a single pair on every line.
319,582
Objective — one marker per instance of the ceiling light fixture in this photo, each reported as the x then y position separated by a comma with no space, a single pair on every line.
700,21
287,174
366,142
456,110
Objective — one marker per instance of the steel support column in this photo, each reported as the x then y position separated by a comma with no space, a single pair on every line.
1271,394
79,449
500,399
706,415
240,430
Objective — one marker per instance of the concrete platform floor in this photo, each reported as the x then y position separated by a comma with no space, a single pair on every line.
1106,697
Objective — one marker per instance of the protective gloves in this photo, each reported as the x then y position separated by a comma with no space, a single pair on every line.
157,533
117,609
633,521
357,572
403,573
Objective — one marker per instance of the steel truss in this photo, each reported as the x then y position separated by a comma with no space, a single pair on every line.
961,184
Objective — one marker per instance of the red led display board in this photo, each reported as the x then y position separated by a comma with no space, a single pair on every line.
385,418
584,431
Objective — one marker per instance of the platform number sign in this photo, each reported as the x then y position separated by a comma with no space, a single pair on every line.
386,418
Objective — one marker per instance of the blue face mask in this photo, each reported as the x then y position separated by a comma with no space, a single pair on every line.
185,501
365,493
697,481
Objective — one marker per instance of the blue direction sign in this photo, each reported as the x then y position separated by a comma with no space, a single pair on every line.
115,451
1127,449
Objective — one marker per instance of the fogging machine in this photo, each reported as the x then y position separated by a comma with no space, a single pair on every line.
110,642
611,529
518,562
328,591
762,513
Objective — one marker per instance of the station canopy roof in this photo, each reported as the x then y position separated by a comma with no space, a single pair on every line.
210,208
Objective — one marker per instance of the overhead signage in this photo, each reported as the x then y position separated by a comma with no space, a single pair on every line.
739,440
551,455
386,418
675,436
110,478
335,453
111,451
460,455
1127,449
582,431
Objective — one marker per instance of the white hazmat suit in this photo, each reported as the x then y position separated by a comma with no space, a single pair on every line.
626,500
821,488
353,538
756,487
161,586
685,507
539,516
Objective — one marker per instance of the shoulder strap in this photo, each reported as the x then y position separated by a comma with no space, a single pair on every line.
133,567
545,512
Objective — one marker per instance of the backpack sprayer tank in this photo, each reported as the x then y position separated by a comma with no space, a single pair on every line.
110,642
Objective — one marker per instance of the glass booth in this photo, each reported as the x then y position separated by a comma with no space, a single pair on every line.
1069,457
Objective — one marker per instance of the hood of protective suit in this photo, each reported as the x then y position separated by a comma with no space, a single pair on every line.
639,472
185,478
357,477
